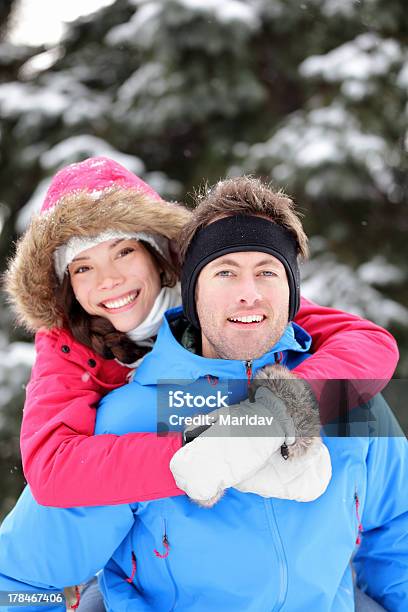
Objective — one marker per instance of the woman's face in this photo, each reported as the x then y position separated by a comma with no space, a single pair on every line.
117,279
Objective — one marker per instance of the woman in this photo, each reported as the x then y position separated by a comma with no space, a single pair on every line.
83,350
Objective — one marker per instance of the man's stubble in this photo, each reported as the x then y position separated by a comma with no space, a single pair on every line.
223,342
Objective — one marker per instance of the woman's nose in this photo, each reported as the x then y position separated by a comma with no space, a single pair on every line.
110,277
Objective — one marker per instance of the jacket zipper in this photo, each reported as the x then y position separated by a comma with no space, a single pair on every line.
176,591
280,552
248,365
248,369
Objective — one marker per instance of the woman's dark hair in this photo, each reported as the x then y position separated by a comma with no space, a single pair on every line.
97,332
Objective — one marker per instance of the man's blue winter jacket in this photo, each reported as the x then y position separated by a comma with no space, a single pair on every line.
247,552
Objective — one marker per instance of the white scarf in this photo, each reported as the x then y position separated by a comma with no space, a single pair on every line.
143,334
169,297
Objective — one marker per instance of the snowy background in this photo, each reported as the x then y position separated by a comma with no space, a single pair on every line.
312,95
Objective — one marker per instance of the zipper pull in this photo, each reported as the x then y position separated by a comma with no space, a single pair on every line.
284,451
78,599
212,380
248,368
165,544
360,527
130,579
166,548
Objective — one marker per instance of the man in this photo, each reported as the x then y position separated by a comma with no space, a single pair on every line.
246,552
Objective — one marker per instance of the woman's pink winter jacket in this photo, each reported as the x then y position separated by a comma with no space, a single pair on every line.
65,465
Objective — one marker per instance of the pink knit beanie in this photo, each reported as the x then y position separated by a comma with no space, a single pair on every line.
95,175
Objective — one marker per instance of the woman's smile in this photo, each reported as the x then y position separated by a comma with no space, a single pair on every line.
121,303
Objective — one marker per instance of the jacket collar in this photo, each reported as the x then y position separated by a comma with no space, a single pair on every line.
170,360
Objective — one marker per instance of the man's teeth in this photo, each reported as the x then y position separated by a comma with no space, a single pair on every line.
248,319
122,301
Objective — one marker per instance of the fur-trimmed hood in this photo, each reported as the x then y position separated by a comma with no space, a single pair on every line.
31,281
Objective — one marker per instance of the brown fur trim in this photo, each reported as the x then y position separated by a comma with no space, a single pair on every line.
299,400
30,280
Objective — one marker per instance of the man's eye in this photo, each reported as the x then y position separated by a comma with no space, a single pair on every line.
224,273
268,273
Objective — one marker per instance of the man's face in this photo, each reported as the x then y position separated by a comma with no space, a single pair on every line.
242,304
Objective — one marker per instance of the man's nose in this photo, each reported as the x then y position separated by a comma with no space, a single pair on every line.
248,292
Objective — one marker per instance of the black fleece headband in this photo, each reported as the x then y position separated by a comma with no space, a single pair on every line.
234,235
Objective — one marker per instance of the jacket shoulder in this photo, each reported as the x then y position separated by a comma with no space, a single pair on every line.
60,342
58,351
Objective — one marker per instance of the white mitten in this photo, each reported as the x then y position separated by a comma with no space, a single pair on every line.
306,473
301,478
226,454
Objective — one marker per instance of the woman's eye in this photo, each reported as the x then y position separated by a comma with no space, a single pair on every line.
126,251
81,269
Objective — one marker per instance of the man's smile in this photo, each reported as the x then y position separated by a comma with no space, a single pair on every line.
247,321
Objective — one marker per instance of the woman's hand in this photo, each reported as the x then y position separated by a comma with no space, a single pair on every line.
236,451
240,441
302,479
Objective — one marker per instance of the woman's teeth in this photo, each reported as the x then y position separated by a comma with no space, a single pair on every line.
122,301
247,319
